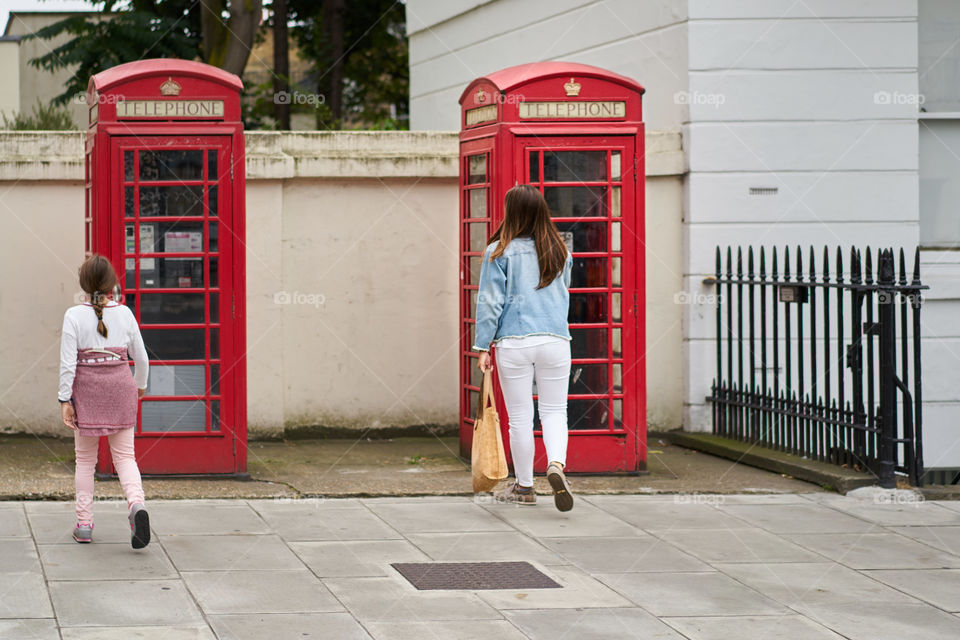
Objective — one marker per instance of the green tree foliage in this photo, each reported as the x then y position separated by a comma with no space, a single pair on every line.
359,50
47,117
98,41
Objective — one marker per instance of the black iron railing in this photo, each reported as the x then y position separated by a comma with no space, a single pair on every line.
820,366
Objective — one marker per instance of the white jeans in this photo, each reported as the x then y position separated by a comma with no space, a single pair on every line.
549,364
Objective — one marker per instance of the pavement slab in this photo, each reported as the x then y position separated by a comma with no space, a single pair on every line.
695,566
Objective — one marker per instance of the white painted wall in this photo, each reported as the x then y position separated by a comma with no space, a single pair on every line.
366,222
9,77
805,97
452,43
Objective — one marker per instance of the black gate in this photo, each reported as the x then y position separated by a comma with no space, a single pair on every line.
828,369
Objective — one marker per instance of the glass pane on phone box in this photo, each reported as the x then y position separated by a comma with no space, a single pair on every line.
473,402
477,236
130,299
212,164
617,378
615,167
587,236
576,202
587,308
616,346
176,200
534,160
214,307
214,272
476,376
171,273
214,344
212,203
174,344
171,164
214,415
472,303
170,237
477,203
173,415
477,168
476,263
588,414
128,166
588,378
574,166
589,272
171,308
176,380
617,413
615,275
214,379
471,333
214,232
128,205
588,343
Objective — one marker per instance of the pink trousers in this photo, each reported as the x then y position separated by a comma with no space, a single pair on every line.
121,448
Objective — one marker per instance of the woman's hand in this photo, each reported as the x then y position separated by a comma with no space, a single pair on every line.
141,393
67,415
484,363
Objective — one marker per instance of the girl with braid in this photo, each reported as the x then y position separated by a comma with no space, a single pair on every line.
99,396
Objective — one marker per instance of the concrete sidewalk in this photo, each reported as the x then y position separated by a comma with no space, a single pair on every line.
34,468
789,566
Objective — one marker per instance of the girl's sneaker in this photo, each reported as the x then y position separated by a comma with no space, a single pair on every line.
139,526
561,489
513,493
83,533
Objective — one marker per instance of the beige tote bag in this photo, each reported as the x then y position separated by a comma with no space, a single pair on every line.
487,458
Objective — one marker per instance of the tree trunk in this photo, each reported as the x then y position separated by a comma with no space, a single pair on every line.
245,16
228,45
281,63
333,11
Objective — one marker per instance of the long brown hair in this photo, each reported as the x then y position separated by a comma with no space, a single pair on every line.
526,215
98,280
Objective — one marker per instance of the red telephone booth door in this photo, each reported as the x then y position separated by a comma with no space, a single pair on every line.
590,185
173,228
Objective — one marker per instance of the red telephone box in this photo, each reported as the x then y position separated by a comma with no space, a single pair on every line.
165,203
576,133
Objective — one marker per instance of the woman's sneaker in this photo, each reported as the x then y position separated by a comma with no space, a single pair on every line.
513,493
83,533
139,526
562,497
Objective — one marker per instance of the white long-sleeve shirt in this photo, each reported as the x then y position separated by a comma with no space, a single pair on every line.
80,332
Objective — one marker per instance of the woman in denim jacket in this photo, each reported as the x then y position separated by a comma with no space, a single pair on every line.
522,308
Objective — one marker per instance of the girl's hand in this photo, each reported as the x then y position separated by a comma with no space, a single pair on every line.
484,362
141,393
67,415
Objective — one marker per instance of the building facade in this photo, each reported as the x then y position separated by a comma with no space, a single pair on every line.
803,123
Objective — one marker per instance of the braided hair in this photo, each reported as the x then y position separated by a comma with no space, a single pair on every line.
98,279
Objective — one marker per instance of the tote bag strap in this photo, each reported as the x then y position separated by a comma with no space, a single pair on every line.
486,397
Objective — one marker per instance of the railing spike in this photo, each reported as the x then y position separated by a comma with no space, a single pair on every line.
729,263
750,262
826,264
786,264
903,268
868,276
773,272
763,271
813,269
718,263
839,265
916,266
739,262
855,264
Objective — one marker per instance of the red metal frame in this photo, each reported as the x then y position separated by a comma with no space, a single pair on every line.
619,442
220,447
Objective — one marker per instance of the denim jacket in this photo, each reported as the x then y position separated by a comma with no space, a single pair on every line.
509,305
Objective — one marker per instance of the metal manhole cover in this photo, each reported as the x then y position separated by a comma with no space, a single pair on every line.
474,575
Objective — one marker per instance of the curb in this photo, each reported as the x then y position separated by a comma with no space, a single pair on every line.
821,473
